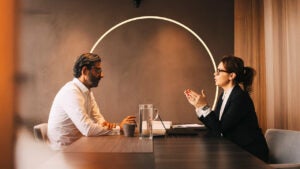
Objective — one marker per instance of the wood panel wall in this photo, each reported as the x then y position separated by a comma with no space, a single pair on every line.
249,45
282,34
6,83
267,36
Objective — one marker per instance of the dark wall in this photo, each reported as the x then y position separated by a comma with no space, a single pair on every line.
144,61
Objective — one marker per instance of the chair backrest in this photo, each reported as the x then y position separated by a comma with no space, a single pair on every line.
40,132
284,146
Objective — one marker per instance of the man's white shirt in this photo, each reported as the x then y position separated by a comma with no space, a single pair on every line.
74,113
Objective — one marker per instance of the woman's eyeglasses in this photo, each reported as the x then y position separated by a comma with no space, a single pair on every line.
221,70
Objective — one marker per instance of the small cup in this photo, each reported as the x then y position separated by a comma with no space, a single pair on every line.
129,129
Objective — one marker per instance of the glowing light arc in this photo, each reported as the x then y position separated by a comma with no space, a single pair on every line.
168,20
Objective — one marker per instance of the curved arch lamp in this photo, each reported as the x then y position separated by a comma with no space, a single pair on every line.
168,20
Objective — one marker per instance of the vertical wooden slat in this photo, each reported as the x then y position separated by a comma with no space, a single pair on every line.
282,68
293,41
249,44
6,83
270,101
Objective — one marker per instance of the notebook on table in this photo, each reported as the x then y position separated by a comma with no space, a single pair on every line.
166,128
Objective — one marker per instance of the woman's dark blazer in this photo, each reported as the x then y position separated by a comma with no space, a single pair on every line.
238,123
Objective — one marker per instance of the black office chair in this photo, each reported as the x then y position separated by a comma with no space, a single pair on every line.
40,132
284,148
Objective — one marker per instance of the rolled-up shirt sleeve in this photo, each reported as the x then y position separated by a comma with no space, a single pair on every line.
95,111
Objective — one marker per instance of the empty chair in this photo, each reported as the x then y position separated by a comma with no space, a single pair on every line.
284,148
40,132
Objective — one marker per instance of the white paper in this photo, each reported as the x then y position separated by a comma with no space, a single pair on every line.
188,125
159,125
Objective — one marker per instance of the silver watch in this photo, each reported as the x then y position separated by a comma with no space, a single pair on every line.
205,107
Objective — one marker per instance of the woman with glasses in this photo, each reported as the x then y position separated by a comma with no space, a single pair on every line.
234,116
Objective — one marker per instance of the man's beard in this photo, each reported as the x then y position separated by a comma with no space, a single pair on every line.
94,80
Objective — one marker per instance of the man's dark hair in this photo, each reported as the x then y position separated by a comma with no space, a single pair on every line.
86,59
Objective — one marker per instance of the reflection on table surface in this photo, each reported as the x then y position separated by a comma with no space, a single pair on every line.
117,143
174,152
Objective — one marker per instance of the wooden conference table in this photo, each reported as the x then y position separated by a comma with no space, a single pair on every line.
169,152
